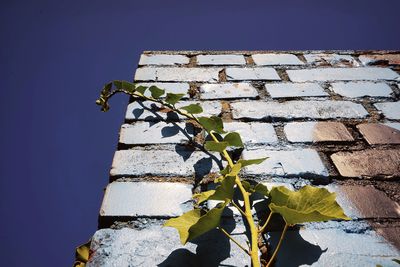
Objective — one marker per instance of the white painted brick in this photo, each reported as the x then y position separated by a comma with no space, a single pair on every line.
227,90
221,60
155,133
173,74
135,110
360,89
260,73
163,60
181,162
391,110
305,132
280,90
333,59
253,132
276,59
298,109
150,199
175,88
342,74
299,162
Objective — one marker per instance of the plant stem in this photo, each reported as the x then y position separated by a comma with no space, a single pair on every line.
278,246
266,223
233,240
237,207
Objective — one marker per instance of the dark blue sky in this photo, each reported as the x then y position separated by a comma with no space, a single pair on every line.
57,147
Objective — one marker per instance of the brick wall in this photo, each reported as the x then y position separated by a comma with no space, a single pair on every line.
330,118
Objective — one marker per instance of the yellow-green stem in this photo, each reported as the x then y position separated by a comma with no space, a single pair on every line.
266,223
278,246
233,240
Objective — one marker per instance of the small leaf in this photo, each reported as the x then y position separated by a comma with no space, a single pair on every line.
225,171
251,161
247,186
173,98
192,224
106,89
261,189
233,139
215,146
156,92
124,85
309,204
203,196
193,108
213,123
224,191
235,169
82,255
141,89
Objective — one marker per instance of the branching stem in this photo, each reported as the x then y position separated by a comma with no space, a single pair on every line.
266,223
278,246
237,207
233,240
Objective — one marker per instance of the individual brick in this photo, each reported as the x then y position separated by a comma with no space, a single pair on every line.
150,111
276,59
175,88
392,234
260,73
314,131
376,133
297,109
160,246
299,162
253,132
182,162
393,59
174,74
227,90
391,110
369,163
142,133
360,89
146,199
163,59
283,90
341,74
331,59
221,60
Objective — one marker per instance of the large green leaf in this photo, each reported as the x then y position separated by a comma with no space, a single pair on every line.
223,191
213,123
215,146
309,204
193,108
233,139
156,92
173,98
251,161
192,224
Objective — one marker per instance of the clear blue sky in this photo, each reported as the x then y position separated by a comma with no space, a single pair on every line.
57,147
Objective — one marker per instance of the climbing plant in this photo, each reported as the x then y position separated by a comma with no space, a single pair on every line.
308,204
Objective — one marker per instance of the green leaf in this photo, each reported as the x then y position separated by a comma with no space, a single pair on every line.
141,89
173,98
251,161
247,186
224,191
225,171
235,169
82,255
193,108
215,146
233,139
203,196
156,92
261,189
107,88
192,224
124,85
213,123
309,204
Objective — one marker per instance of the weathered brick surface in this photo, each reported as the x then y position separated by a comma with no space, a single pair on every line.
253,132
313,131
376,59
174,74
227,90
260,73
176,88
163,60
342,74
331,59
181,162
370,163
149,111
360,89
149,199
282,90
276,59
155,133
300,162
298,109
376,133
221,60
391,110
